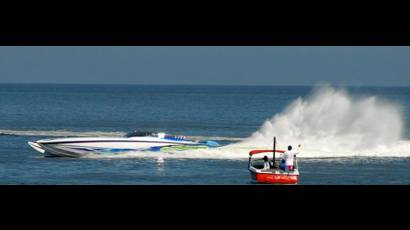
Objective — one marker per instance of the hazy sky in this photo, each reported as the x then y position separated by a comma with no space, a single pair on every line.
207,65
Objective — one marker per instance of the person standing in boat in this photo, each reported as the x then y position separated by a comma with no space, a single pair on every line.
289,158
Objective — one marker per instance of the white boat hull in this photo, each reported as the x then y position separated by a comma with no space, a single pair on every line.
79,147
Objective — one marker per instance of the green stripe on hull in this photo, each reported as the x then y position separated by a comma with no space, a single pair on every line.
181,148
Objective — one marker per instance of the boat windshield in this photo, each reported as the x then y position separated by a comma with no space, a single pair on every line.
138,133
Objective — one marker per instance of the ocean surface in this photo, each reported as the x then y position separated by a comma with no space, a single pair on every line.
229,114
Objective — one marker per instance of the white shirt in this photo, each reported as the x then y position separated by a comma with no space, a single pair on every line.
266,165
288,156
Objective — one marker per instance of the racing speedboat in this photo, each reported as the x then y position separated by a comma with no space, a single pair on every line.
134,141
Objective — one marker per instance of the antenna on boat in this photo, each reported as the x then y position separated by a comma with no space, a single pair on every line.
274,150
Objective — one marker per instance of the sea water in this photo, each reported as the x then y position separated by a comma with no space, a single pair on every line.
349,135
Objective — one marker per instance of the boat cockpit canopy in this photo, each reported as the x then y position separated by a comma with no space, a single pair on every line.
138,133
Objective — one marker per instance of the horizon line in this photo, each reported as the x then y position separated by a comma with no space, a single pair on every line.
192,84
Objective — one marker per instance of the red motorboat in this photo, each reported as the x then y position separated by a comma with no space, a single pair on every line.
273,174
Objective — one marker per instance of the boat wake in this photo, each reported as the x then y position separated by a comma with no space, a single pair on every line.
236,152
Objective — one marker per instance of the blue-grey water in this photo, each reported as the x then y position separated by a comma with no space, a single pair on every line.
215,111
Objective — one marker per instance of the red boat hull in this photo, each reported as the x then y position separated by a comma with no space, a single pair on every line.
271,178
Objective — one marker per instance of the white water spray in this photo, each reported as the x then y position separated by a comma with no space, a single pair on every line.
329,123
160,160
332,123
